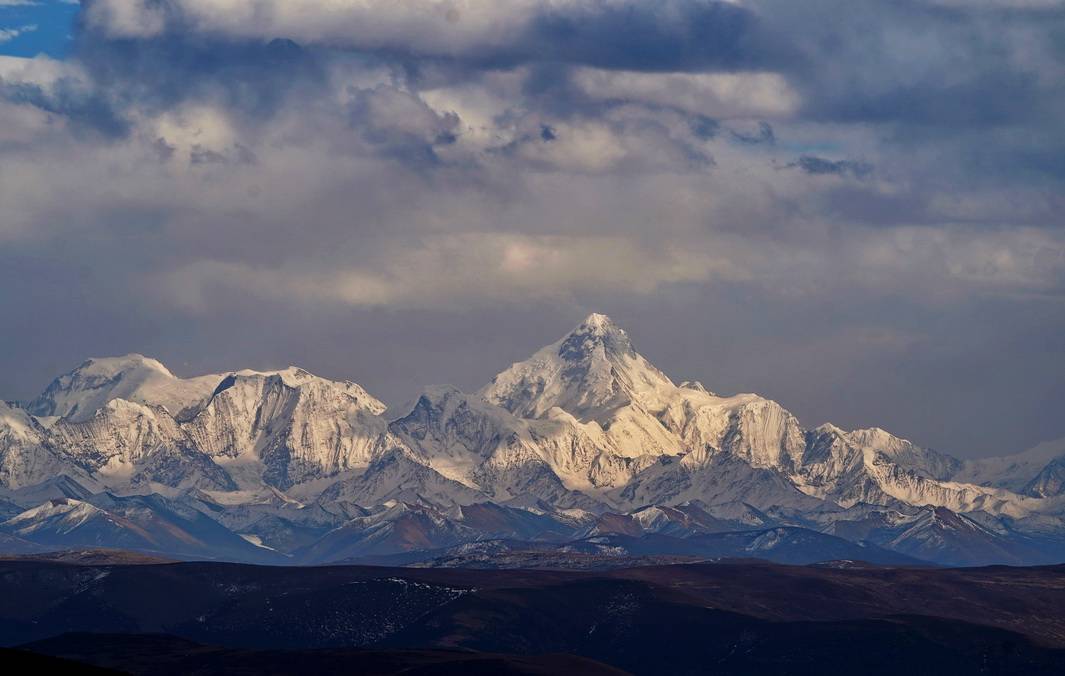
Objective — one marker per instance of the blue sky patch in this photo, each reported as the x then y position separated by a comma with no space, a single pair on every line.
37,27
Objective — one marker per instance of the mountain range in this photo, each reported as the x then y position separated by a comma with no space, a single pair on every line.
581,444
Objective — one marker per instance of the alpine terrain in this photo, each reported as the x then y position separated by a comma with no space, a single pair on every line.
585,447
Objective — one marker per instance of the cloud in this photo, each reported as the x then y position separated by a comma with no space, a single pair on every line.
9,34
763,133
454,270
716,95
281,181
663,35
817,166
126,18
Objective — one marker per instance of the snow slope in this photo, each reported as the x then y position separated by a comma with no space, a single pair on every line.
1014,472
134,377
586,425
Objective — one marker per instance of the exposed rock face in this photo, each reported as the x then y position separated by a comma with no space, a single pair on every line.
586,425
287,427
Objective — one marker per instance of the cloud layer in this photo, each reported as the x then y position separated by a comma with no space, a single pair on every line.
855,207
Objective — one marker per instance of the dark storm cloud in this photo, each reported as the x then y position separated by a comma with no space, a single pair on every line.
764,134
906,67
405,192
250,76
253,70
376,113
704,127
87,110
670,35
922,63
817,166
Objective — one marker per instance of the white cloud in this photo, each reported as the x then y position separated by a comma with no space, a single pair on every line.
9,34
718,95
194,128
39,70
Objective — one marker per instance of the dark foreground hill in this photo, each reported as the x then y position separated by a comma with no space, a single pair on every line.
161,655
742,617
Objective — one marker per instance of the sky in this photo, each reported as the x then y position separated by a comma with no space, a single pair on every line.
856,208
32,27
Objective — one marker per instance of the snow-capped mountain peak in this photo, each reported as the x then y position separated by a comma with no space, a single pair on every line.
590,373
584,423
305,383
17,425
78,394
596,332
285,427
